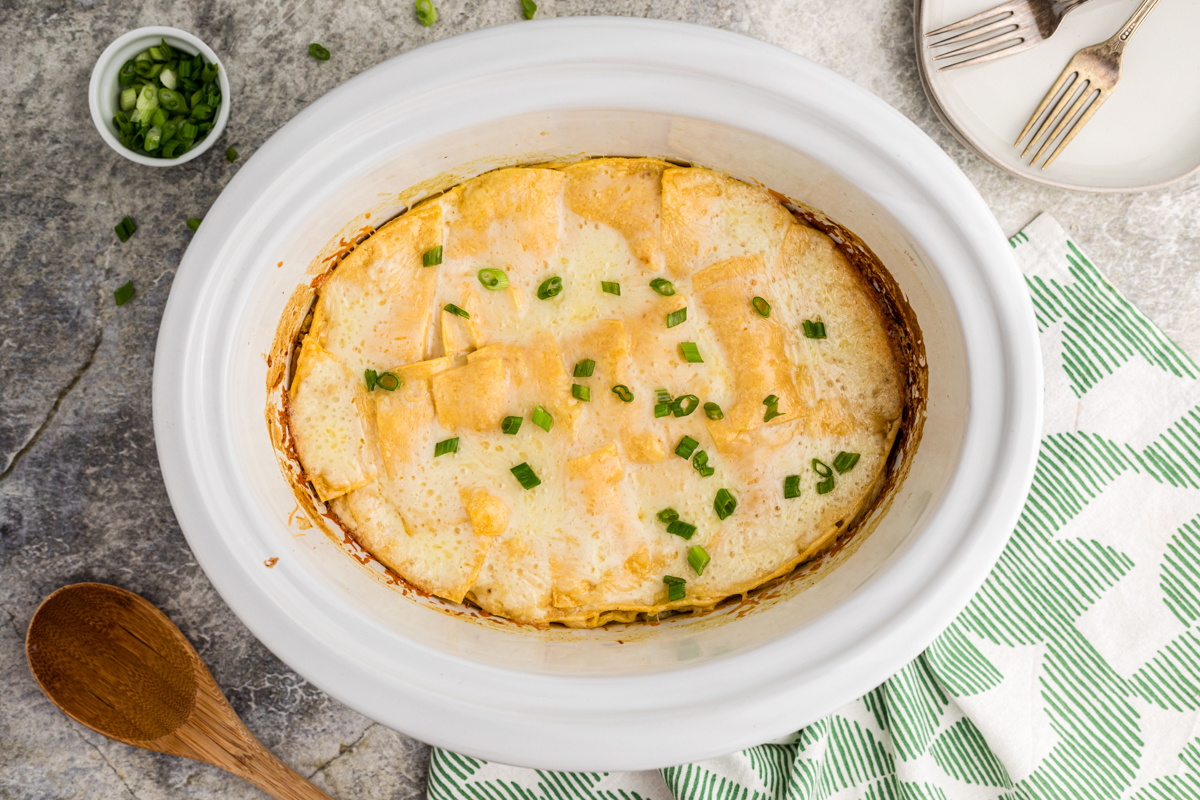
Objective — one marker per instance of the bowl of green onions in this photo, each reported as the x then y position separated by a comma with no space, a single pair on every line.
159,96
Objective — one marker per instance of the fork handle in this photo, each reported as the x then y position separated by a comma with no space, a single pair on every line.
1121,38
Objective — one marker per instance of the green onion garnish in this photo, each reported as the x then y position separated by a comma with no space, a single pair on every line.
683,529
445,446
844,462
609,287
542,418
687,445
432,257
370,377
426,15
231,155
771,400
725,503
511,425
320,53
825,486
676,587
194,223
700,464
387,381
791,486
581,392
662,405
585,368
662,410
772,403
668,515
663,286
493,279
691,353
662,396
125,229
713,411
551,287
677,317
128,98
525,474
684,405
529,8
822,469
124,294
453,309
622,391
814,330
761,306
698,558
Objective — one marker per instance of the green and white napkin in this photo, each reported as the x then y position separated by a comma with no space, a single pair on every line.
1074,673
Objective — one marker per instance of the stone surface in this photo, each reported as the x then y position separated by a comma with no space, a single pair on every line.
81,497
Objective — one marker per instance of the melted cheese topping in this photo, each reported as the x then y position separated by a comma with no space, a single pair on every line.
585,546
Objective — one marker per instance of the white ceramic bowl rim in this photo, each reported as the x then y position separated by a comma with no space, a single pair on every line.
619,721
102,89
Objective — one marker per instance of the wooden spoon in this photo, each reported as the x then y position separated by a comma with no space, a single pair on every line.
112,661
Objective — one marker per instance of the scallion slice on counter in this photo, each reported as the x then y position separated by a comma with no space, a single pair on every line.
432,257
453,309
525,474
445,446
690,352
687,445
698,558
511,425
677,317
682,529
194,223
124,293
761,306
814,330
663,286
585,368
622,391
725,503
426,13
713,411
320,53
231,155
542,418
844,462
370,377
791,487
528,8
676,587
610,287
822,469
668,515
125,229
700,464
551,287
684,405
387,381
581,392
493,279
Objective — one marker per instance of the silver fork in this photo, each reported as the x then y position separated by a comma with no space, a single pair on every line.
1017,25
1095,69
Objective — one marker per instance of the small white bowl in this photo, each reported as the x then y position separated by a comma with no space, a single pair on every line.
102,91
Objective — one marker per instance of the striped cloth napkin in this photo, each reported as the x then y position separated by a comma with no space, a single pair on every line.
1075,671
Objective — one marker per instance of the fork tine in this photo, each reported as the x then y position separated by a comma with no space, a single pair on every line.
1077,126
1016,47
1067,74
1070,93
994,29
1009,7
977,46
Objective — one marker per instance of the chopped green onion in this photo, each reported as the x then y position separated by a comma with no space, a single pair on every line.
622,391
771,400
493,279
662,396
691,353
525,474
609,287
153,138
698,558
426,13
662,410
128,99
320,53
125,229
511,425
387,381
127,75
171,101
683,529
581,392
687,445
528,9
445,446
772,404
370,376
542,418
194,223
725,503
663,286
821,468
700,464
432,257
814,330
585,368
791,486
761,306
713,411
453,309
231,155
677,317
676,587
124,294
844,462
169,78
668,515
684,405
551,287
825,486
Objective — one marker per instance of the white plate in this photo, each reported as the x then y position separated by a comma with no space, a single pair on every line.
1145,136
625,697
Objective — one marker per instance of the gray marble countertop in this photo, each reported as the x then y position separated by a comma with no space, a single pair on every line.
81,496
